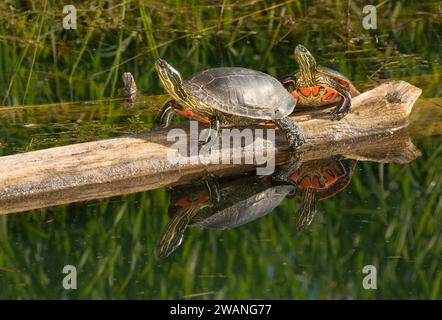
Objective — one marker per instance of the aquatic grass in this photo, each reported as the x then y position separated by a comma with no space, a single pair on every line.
82,51
17,69
154,26
40,22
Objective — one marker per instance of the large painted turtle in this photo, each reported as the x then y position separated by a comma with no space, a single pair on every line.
229,97
229,204
317,180
314,85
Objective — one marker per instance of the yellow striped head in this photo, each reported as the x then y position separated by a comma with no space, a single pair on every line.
306,62
171,80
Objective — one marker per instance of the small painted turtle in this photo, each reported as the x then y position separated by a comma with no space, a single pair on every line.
317,180
228,204
314,85
229,97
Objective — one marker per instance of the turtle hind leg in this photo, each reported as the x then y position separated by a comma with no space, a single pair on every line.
293,132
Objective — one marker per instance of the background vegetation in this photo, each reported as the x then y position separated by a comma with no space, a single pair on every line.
390,216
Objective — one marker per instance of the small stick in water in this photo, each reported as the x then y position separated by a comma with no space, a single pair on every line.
130,87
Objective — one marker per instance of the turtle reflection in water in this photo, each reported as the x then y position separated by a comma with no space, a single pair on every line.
231,202
318,180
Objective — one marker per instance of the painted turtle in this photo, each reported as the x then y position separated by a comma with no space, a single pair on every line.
317,180
314,85
229,97
229,204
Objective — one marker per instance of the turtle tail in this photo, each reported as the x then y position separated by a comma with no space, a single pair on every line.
307,209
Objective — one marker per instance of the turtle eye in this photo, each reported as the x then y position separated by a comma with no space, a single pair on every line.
161,63
302,49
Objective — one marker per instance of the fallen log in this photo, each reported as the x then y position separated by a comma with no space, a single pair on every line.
374,131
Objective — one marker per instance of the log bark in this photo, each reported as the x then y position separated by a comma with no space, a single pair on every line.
373,130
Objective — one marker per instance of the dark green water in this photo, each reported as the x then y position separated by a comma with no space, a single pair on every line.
389,215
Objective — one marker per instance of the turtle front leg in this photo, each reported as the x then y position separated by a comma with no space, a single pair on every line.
293,132
167,114
213,188
295,138
212,136
344,107
284,174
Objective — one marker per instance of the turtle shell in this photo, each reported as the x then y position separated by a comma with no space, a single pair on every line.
246,210
340,78
243,200
242,92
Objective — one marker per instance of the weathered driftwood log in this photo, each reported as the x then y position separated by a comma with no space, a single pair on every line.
372,131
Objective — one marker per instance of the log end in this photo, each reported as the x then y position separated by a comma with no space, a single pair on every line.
394,93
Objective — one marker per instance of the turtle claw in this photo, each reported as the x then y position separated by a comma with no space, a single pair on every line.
203,141
294,134
279,176
212,135
296,140
341,110
207,142
284,175
337,115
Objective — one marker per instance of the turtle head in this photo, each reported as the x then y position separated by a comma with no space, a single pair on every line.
168,244
306,62
173,235
171,79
